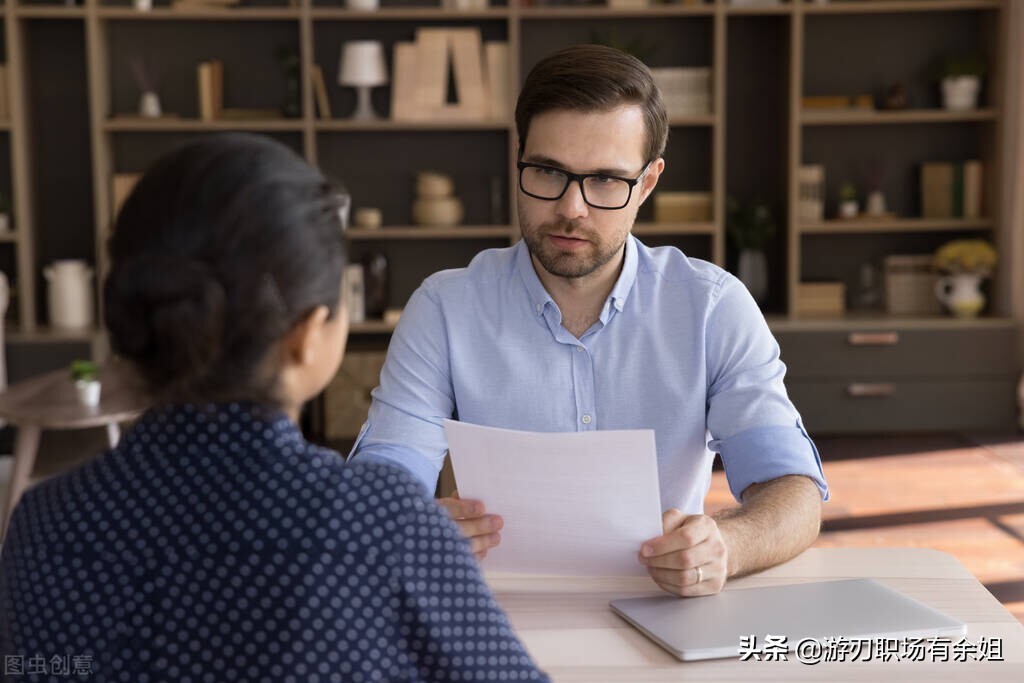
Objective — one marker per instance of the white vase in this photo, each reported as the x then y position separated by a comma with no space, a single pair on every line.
961,294
149,105
753,272
960,93
88,391
143,5
875,204
69,294
848,208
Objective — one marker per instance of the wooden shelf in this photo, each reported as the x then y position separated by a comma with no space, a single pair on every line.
48,12
867,225
846,117
879,319
131,124
641,229
45,334
9,236
340,125
604,12
5,125
403,232
213,14
696,120
371,327
898,6
408,13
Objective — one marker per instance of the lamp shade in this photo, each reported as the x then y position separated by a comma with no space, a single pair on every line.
362,63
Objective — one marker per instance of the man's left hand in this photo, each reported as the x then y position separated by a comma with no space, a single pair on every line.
690,559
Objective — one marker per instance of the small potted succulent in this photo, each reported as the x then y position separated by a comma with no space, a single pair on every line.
85,375
848,206
960,79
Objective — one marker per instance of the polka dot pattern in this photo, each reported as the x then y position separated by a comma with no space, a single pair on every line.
216,544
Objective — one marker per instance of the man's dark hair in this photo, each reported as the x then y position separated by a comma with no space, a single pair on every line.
593,78
222,247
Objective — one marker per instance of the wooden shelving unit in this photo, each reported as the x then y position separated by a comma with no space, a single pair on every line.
382,156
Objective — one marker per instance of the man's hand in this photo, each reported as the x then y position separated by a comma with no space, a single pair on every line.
690,559
480,528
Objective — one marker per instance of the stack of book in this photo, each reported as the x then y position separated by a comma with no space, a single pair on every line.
682,207
211,90
816,299
421,77
951,190
686,91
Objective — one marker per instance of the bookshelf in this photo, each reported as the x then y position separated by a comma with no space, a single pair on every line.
763,60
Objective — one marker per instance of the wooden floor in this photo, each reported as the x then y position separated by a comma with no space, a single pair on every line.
963,494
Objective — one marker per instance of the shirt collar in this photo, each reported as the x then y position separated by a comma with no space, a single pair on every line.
540,298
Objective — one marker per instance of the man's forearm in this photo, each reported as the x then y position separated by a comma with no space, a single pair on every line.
777,520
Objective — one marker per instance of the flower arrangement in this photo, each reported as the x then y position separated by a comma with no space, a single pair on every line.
966,256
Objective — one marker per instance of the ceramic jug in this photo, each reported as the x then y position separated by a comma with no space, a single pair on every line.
961,294
69,284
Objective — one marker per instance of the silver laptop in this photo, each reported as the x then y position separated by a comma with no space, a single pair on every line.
710,627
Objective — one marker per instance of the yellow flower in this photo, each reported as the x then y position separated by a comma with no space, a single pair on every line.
966,256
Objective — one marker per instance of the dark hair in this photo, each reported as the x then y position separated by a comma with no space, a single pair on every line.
593,78
222,247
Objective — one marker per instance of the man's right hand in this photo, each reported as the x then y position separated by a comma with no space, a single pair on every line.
475,524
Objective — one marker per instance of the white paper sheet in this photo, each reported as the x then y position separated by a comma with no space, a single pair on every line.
577,503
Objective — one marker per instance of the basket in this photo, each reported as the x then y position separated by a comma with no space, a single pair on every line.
910,285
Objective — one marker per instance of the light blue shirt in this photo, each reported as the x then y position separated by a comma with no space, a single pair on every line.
680,347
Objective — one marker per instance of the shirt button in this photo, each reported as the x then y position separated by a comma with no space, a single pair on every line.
586,419
579,348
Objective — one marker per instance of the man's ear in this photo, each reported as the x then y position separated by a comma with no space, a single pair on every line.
650,179
300,343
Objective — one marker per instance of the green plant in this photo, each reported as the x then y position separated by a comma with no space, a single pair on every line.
952,66
749,226
848,192
84,370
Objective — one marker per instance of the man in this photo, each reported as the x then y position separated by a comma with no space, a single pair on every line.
581,327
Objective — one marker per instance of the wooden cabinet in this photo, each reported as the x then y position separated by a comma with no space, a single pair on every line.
907,375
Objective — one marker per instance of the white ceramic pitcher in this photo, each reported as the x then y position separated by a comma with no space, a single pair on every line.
69,293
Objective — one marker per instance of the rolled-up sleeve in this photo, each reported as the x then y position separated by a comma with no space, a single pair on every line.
415,394
753,424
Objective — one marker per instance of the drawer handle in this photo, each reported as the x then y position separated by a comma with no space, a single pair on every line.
874,338
867,390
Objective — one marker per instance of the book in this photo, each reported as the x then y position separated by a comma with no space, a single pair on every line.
403,87
211,89
936,190
972,202
467,66
498,83
5,109
432,72
323,104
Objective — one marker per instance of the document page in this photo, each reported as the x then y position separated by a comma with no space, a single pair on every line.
577,503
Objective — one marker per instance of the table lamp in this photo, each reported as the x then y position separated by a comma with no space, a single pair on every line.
362,67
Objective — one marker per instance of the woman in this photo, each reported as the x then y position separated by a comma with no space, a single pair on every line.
215,543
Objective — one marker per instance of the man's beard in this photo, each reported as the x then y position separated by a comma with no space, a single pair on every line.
565,264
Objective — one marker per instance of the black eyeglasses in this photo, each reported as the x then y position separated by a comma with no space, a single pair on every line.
599,190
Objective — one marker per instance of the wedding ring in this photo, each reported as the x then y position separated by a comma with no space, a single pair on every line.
700,574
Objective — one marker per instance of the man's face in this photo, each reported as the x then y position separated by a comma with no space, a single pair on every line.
567,237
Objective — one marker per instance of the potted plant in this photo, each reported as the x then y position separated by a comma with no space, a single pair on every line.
750,227
960,79
848,206
967,263
85,375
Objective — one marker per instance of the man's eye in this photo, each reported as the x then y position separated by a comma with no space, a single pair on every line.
551,172
603,179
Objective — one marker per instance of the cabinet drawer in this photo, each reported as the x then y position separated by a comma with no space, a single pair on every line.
899,353
839,407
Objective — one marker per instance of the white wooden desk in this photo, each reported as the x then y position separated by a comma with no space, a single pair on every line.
571,632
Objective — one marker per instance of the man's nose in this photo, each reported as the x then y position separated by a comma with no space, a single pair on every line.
571,204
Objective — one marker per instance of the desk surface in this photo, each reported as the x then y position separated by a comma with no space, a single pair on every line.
571,632
51,402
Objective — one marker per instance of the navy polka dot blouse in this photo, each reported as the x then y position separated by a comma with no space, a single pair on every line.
216,544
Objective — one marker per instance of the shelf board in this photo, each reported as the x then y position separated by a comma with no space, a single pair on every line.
847,117
371,327
412,232
131,124
48,12
385,125
605,12
9,236
897,6
880,319
46,334
199,14
408,13
5,124
853,226
640,229
696,120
